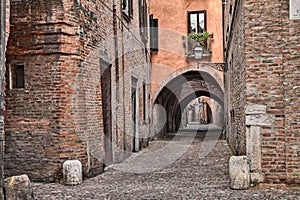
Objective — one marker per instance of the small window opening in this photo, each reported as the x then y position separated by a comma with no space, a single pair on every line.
19,78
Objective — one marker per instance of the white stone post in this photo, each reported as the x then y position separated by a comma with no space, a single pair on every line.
72,172
239,172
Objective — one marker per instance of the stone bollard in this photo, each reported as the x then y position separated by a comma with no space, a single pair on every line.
239,172
72,172
18,187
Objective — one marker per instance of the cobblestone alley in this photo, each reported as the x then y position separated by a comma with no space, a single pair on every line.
194,175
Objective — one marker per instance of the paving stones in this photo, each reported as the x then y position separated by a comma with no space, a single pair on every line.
188,177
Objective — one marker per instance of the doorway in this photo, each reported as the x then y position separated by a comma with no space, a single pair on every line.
105,71
135,138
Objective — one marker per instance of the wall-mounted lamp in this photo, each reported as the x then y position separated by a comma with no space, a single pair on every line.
198,52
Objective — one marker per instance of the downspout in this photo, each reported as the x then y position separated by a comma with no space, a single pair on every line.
117,68
225,106
123,73
115,31
223,28
284,94
2,72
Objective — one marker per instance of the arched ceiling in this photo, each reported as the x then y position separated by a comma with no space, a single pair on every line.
191,85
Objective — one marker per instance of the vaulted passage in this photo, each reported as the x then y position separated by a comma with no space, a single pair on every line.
194,96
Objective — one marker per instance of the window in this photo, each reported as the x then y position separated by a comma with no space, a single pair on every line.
153,34
16,77
20,80
196,21
143,21
127,8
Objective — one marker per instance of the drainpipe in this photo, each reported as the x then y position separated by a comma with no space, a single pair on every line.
123,74
2,72
225,66
115,31
223,28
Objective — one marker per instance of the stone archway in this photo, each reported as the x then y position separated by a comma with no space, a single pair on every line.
179,88
213,69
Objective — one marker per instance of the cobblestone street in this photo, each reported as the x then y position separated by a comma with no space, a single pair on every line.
189,177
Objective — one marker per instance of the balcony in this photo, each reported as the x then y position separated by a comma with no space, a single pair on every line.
194,39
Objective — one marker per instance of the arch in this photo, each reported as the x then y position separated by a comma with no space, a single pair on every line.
180,87
184,102
182,105
210,68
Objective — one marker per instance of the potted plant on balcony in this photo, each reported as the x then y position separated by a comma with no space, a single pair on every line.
200,38
194,40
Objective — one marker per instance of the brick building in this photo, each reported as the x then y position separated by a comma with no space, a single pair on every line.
177,77
4,30
77,85
262,47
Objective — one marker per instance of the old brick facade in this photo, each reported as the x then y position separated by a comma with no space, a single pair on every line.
68,91
4,33
235,98
262,86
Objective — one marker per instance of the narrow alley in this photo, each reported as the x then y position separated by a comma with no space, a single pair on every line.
149,99
188,177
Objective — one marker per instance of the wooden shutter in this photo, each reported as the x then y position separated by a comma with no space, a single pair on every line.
153,34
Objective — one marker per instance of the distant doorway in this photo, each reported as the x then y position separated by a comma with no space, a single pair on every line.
106,109
135,140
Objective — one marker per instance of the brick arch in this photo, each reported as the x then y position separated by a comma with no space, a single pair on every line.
210,68
210,89
178,87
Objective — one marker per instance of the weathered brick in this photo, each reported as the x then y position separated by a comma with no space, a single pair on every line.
268,76
59,113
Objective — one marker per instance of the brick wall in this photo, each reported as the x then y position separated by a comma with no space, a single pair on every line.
272,93
4,25
39,128
7,18
272,74
2,61
235,77
58,115
291,90
265,81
